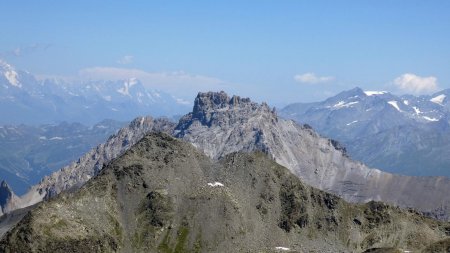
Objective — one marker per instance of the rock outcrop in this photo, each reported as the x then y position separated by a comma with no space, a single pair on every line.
8,200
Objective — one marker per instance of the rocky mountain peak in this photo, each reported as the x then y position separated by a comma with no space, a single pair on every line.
210,101
215,107
344,95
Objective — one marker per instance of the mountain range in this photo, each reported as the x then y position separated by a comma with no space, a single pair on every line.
29,100
220,125
28,153
164,195
406,134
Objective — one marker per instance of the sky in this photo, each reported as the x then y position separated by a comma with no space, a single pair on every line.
274,51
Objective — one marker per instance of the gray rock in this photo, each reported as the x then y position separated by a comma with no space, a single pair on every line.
220,125
163,195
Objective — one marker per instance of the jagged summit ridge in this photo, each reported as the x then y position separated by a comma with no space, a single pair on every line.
219,124
208,105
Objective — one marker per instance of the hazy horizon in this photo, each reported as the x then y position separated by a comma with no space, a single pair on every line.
276,52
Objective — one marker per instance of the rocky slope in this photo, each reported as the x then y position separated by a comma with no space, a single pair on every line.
79,172
163,195
219,125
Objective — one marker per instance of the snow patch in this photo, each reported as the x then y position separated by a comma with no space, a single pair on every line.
342,104
12,78
42,138
417,110
353,122
395,105
282,248
10,74
438,99
215,184
56,138
406,102
126,86
372,93
430,119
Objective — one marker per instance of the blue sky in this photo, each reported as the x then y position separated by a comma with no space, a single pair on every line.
276,51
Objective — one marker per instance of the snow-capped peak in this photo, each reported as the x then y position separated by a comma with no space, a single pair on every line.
10,74
372,93
438,99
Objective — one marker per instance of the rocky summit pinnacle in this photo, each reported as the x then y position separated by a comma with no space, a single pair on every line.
8,199
207,105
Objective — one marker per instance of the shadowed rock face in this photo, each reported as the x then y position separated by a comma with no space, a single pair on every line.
163,195
8,200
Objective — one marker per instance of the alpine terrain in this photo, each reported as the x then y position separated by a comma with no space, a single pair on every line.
401,134
163,195
220,125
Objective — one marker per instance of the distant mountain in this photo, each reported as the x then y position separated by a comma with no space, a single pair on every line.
28,153
163,195
401,134
220,125
24,99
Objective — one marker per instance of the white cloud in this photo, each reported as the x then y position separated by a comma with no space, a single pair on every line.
415,84
312,78
127,59
178,83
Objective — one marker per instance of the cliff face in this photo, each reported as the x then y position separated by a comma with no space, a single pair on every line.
163,195
8,200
